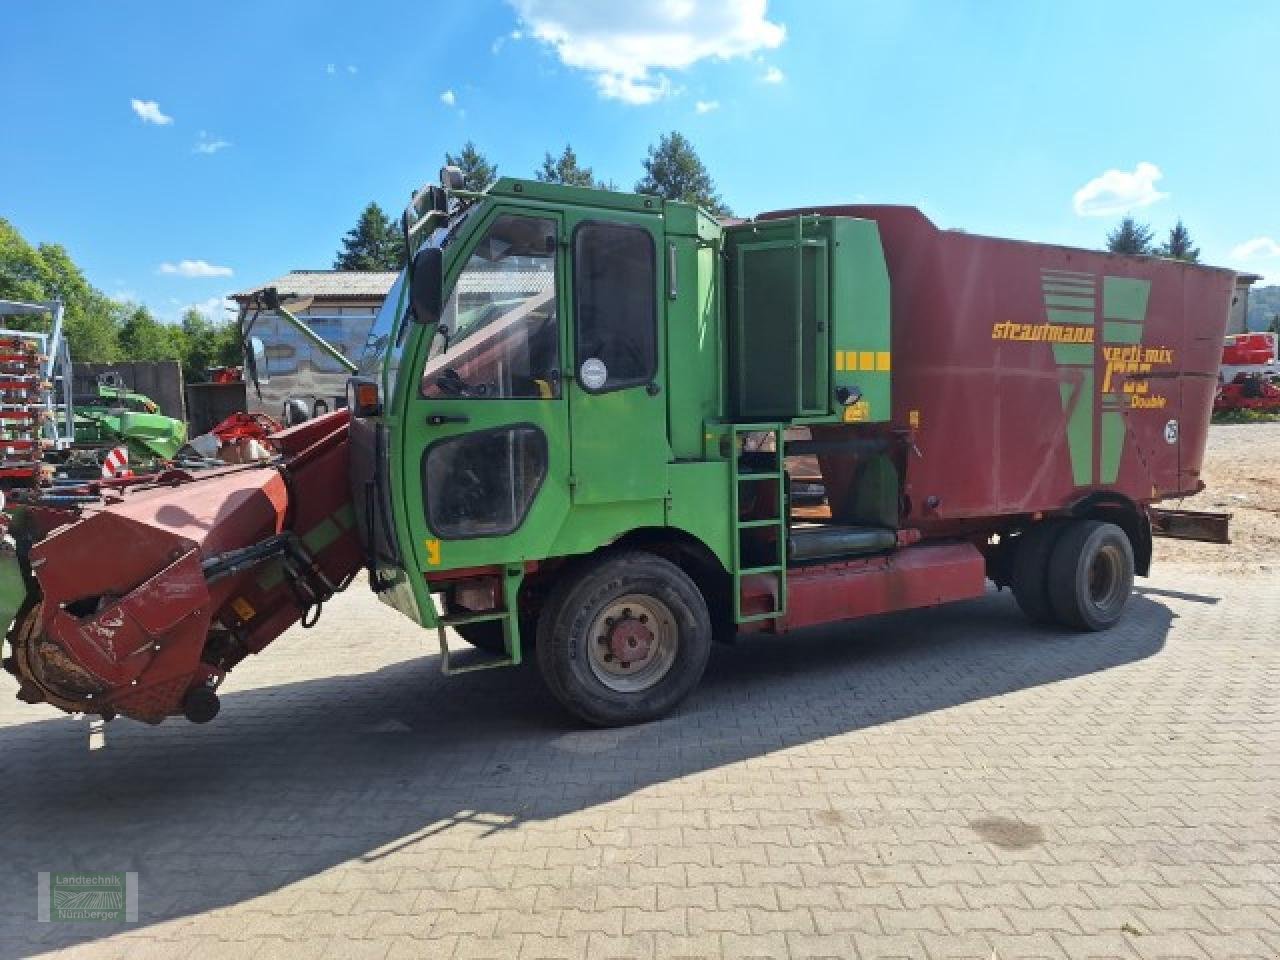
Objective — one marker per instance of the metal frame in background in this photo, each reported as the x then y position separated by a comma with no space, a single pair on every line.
59,422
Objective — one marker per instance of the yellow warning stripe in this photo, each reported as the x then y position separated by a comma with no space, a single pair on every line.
868,360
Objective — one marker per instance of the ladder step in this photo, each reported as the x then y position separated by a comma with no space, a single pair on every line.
462,619
761,476
751,524
750,570
751,618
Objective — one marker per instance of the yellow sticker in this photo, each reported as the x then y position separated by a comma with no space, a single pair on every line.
859,412
882,360
867,360
433,553
913,419
243,608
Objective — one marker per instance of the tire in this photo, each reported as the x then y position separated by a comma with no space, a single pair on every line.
1090,575
654,651
487,635
484,636
1030,580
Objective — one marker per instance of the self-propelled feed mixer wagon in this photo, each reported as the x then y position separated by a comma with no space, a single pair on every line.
572,437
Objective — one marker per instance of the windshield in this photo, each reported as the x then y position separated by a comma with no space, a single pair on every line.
387,337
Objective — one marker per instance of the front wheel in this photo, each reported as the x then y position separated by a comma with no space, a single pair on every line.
624,641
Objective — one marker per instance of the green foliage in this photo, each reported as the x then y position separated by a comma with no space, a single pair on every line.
143,337
207,344
1246,416
565,169
477,172
47,272
673,171
1130,237
23,272
1179,246
374,243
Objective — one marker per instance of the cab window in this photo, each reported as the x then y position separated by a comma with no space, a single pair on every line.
498,334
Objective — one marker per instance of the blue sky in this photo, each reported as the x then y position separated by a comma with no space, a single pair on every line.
181,151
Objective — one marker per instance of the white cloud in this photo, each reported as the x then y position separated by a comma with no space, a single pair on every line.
208,145
331,68
217,309
195,268
773,75
352,70
1118,191
1256,249
706,106
149,112
449,98
627,46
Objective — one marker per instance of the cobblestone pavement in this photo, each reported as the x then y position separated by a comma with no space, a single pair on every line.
945,783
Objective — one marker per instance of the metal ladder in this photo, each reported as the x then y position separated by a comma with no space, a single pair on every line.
777,477
510,617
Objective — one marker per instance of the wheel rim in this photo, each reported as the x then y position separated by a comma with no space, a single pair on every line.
632,643
1106,580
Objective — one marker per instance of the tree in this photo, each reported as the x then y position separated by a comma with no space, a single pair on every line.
207,343
23,273
1178,246
47,272
566,170
477,172
1130,237
143,337
673,171
374,243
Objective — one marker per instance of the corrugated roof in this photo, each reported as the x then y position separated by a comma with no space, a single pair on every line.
328,284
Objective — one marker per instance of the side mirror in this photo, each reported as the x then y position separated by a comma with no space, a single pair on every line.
257,360
425,283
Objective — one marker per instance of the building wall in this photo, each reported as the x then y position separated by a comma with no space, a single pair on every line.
297,369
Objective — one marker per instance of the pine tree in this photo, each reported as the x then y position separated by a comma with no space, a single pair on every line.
374,243
566,170
1130,237
477,172
673,171
1178,246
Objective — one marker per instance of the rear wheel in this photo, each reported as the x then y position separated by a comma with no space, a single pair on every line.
624,641
1090,575
1030,580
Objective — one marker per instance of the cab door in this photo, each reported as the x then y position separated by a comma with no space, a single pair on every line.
487,453
617,405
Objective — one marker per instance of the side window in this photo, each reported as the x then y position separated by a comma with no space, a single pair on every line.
616,327
482,484
502,339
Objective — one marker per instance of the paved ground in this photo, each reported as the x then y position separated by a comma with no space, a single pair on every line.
937,784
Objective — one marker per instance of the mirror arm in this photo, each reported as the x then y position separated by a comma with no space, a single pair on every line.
325,347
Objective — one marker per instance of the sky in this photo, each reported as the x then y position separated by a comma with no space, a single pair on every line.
183,151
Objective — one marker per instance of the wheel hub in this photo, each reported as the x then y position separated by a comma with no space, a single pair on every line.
630,641
633,643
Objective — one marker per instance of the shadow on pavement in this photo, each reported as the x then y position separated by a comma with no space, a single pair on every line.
294,779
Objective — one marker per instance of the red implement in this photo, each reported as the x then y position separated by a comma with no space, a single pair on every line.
207,579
